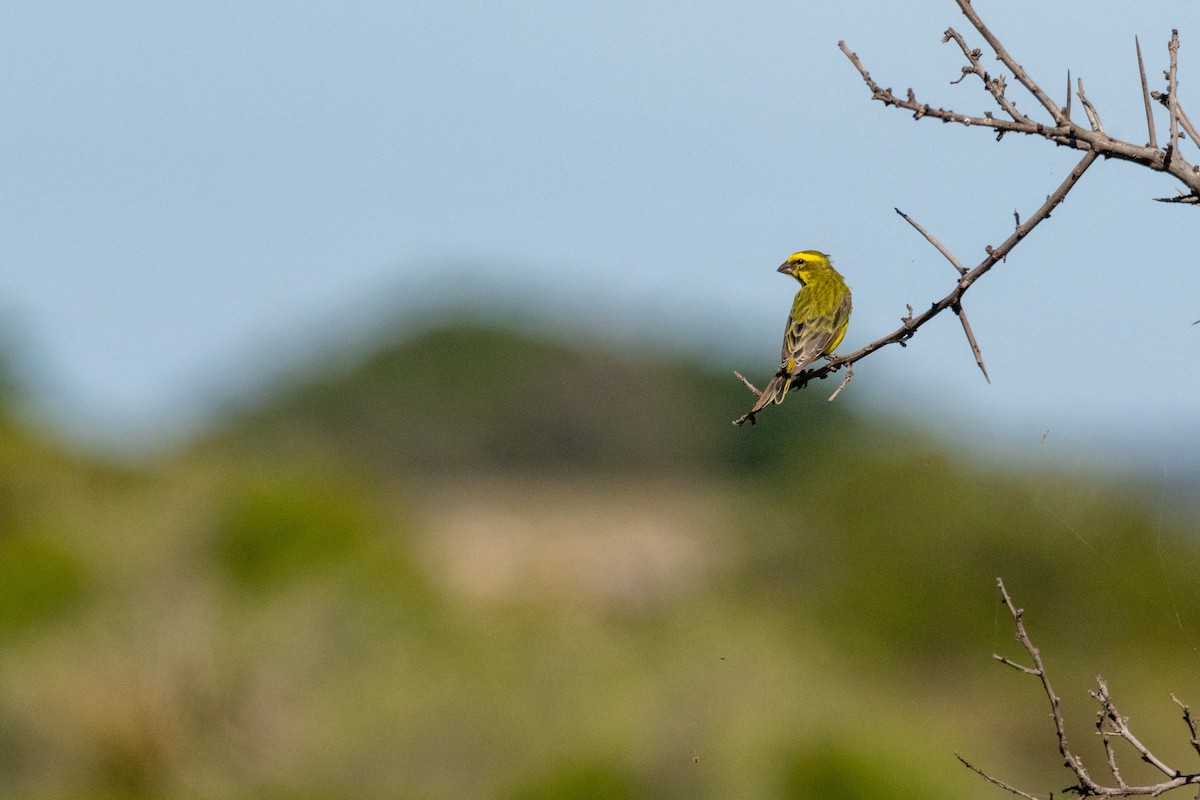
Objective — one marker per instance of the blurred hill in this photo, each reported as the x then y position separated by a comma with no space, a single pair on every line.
477,399
480,562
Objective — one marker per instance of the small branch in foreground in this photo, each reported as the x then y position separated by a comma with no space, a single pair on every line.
1110,725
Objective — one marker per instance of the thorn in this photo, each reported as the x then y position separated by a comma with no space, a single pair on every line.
1067,109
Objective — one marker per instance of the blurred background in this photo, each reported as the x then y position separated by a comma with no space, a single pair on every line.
367,380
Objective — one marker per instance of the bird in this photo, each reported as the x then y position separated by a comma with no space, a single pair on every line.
816,324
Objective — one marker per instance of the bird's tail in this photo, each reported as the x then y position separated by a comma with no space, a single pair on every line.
775,391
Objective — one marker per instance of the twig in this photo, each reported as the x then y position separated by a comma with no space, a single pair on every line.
1145,94
1191,723
845,380
993,85
995,781
1061,130
1120,727
924,109
1017,70
940,247
1109,755
749,385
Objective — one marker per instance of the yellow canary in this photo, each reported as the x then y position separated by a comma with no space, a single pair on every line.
820,314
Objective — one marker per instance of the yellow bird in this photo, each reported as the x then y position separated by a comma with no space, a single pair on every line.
820,314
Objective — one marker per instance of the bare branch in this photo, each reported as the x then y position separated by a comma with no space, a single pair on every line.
1191,723
940,247
1110,724
1008,61
1120,727
922,109
1061,129
845,380
1145,94
995,86
1008,662
1006,787
1039,669
1109,755
749,385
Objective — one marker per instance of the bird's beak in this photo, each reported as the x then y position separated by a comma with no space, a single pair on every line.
785,268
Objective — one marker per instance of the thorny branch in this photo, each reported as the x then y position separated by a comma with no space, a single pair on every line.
1060,129
911,323
1110,725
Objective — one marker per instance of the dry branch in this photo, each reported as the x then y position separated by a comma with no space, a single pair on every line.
1110,725
1060,128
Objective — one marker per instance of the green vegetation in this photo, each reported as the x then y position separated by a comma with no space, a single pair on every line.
488,400
481,563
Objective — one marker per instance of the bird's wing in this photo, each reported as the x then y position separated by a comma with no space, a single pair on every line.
841,320
808,336
804,344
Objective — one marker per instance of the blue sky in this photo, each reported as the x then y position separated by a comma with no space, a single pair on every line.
196,191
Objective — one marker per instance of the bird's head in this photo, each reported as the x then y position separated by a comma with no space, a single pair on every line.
806,264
